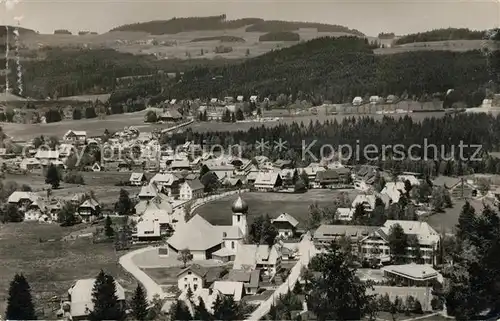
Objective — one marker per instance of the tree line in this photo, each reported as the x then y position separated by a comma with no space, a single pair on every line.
447,134
444,35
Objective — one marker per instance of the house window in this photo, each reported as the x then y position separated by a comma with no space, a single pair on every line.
195,287
232,244
185,286
185,279
195,279
239,218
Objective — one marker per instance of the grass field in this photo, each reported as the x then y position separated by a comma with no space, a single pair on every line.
52,267
101,183
219,212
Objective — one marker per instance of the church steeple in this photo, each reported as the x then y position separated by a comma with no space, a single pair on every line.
240,210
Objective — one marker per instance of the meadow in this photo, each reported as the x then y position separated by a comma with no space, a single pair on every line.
52,265
219,212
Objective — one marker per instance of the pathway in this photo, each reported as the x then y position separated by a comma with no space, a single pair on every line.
307,251
151,287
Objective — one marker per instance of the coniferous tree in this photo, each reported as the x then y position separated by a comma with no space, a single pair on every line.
337,294
20,303
53,178
179,311
124,204
105,299
201,312
108,228
225,308
139,304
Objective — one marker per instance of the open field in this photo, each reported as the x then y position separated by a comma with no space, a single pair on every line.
182,46
96,127
51,267
219,212
101,183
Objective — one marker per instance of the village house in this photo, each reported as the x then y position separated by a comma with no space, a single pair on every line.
459,188
250,257
30,164
232,289
344,214
250,279
148,192
75,137
333,177
89,210
325,234
147,230
138,179
168,183
286,225
180,165
22,199
394,190
268,182
204,240
36,211
80,298
46,157
196,277
368,201
191,189
170,115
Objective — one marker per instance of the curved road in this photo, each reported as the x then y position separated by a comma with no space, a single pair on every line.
151,287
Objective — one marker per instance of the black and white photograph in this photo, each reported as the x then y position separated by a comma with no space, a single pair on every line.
246,160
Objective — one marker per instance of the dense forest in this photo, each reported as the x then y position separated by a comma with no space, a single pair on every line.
446,133
68,72
219,38
338,69
280,36
176,25
443,35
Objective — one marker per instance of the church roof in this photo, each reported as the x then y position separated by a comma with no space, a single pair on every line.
239,206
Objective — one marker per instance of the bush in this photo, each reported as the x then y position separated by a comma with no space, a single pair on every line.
74,178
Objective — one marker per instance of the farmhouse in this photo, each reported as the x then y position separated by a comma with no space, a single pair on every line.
333,177
80,298
204,239
137,179
75,136
89,211
286,225
148,192
459,188
171,115
252,256
197,277
191,189
147,230
268,181
168,183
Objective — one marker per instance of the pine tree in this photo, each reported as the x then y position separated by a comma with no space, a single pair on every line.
124,205
201,312
225,308
108,229
139,304
53,177
105,299
20,303
179,312
466,222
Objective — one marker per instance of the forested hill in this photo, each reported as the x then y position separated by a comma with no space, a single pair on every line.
448,34
176,25
339,69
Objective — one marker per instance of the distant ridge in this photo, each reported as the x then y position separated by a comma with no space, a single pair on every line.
22,31
176,25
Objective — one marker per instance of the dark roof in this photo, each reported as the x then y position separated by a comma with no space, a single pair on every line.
195,184
196,269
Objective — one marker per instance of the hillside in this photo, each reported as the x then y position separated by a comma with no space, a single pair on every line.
177,25
339,69
219,38
446,34
22,31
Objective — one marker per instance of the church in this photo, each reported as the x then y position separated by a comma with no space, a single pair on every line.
207,241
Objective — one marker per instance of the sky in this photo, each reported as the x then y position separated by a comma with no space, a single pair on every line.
367,16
